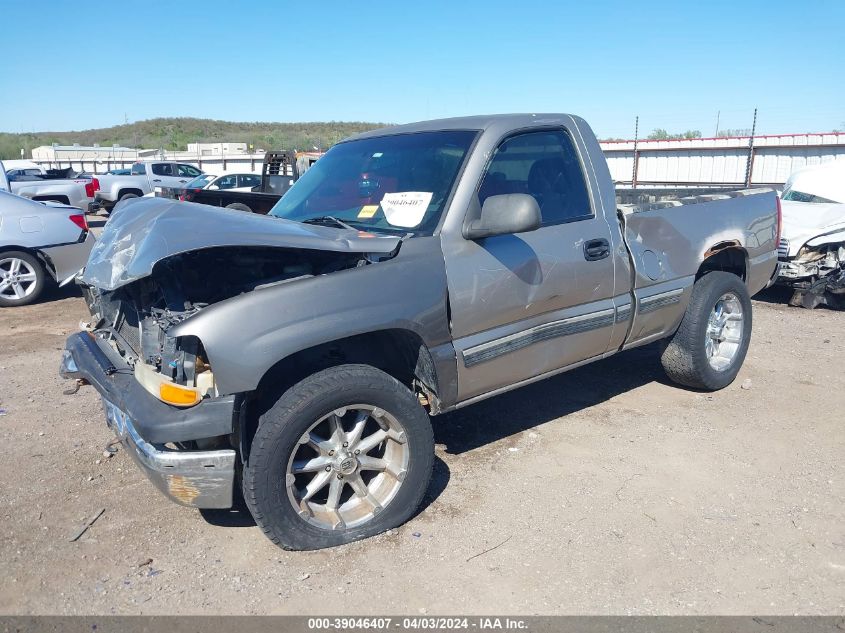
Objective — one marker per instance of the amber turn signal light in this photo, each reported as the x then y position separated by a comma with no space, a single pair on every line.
178,395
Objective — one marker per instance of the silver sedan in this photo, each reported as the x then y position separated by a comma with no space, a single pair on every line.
40,244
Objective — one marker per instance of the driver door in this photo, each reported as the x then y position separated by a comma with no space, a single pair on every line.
164,175
529,303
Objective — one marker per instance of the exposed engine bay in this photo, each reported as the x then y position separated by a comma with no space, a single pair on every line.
137,317
817,276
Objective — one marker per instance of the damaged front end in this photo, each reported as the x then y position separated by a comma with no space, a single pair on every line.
151,273
816,274
136,319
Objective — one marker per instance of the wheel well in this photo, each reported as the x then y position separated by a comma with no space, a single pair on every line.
45,261
122,192
62,199
399,353
727,257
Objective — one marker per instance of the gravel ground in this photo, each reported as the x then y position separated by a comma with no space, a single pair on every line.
605,490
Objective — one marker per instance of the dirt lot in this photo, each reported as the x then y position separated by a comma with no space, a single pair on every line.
605,490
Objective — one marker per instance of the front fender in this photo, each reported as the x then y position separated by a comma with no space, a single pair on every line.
247,335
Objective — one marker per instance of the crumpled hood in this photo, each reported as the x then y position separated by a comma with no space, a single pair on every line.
146,231
802,221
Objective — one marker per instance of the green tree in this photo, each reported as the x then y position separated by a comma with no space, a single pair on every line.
659,134
176,133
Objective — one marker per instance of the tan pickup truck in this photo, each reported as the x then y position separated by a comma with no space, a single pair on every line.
295,358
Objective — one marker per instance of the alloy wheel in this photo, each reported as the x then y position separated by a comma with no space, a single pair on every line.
347,467
724,332
18,279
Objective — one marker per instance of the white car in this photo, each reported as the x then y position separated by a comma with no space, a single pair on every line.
40,243
812,244
227,182
235,182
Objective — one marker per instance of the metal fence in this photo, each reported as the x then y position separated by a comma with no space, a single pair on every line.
741,161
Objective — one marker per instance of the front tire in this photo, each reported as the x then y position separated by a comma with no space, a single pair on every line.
709,347
22,279
344,454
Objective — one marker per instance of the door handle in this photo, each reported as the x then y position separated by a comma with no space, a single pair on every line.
596,249
157,180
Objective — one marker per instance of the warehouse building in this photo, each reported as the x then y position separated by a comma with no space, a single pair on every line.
63,154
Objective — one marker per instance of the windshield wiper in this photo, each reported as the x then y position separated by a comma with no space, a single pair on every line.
329,219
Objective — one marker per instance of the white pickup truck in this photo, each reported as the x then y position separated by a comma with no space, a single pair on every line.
37,184
144,178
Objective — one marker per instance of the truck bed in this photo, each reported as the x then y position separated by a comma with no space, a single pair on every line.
690,230
254,201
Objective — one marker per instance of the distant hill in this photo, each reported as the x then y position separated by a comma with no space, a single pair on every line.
176,133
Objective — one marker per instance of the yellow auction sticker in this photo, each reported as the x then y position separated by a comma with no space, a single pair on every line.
368,211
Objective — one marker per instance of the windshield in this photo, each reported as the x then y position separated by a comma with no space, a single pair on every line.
800,196
199,182
388,183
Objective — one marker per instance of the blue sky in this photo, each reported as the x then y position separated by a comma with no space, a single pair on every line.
675,64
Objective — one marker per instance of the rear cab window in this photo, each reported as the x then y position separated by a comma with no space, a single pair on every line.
138,169
544,165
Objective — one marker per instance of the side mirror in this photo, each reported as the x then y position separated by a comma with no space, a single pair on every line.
505,214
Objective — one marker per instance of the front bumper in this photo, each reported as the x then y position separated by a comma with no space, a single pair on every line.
791,271
201,479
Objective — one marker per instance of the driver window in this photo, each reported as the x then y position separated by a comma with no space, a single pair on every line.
544,165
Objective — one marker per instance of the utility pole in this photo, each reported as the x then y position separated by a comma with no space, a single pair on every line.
718,114
636,155
750,163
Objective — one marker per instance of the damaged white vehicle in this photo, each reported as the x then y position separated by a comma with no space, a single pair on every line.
812,245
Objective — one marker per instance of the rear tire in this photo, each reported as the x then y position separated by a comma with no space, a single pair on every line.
128,196
237,206
709,347
291,475
22,279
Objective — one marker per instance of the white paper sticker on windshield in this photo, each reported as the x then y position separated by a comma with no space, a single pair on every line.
406,208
